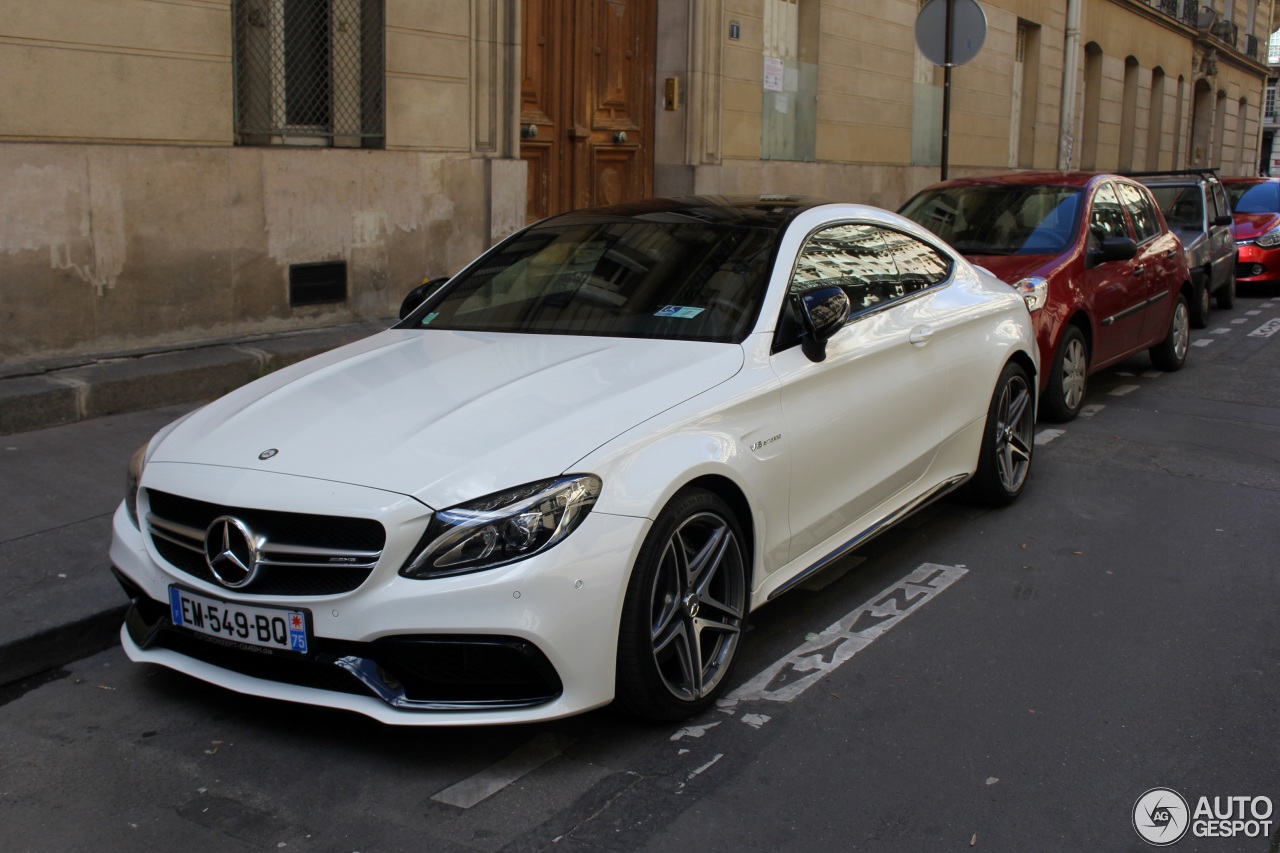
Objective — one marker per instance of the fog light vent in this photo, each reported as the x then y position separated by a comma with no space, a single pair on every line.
317,284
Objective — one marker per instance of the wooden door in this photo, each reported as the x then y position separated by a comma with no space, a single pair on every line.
586,112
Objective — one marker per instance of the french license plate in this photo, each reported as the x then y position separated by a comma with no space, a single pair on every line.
266,627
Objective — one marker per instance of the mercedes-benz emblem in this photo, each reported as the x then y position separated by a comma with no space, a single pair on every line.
231,550
267,454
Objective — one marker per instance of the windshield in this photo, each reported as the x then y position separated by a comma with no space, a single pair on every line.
1183,207
1263,197
999,219
620,278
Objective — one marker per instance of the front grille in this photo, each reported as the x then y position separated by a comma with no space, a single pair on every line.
303,554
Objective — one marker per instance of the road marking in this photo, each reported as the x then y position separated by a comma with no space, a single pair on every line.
1267,329
486,783
1091,410
1252,313
706,767
808,664
1203,342
1153,374
1122,390
755,720
694,731
1239,321
1223,331
1045,436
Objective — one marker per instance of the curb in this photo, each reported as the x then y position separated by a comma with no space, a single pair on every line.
116,385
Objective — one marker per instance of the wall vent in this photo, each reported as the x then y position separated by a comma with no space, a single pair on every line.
317,284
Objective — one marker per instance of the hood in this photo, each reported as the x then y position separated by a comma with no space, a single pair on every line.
1011,268
1251,226
448,416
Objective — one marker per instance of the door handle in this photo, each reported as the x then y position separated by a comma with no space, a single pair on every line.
1139,270
920,335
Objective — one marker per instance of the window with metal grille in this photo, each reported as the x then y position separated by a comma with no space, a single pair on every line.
310,71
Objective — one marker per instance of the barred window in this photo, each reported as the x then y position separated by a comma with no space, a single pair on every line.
310,71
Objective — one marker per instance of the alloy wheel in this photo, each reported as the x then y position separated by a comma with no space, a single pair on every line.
1015,433
697,606
1074,368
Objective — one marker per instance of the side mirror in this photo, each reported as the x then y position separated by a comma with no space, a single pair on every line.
1223,219
1115,249
416,296
822,312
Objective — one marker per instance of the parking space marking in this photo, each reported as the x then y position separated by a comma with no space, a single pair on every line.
1202,342
1222,330
1153,374
1045,436
1267,329
486,783
1122,390
1239,320
808,664
1252,313
1093,409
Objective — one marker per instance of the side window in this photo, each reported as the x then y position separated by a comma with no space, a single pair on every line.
1106,219
1142,211
1220,199
873,265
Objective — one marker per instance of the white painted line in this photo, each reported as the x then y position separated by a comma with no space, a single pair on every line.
1267,329
795,673
1153,374
1045,436
694,731
756,720
1252,313
707,766
1222,331
1202,342
1091,410
1123,373
1239,321
1122,390
486,783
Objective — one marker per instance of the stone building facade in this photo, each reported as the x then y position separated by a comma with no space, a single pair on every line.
179,170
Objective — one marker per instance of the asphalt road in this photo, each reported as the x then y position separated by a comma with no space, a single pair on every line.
1006,680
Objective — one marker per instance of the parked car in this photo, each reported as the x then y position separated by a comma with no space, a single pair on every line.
1255,207
1195,206
570,474
1102,272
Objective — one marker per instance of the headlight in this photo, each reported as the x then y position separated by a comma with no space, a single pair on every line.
1034,290
503,527
136,462
1269,240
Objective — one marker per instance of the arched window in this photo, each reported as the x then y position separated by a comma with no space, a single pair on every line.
1129,113
1155,119
1092,106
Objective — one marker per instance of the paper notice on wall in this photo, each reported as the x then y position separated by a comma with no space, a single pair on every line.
773,72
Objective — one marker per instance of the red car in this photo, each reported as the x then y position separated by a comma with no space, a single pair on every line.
1100,270
1255,209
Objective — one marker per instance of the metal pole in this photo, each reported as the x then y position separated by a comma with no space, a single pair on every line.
946,89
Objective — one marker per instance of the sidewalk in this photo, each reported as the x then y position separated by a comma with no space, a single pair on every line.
66,434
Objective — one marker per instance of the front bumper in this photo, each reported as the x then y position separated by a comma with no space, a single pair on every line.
1257,265
535,640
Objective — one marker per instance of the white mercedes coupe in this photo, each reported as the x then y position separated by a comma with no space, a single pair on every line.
569,473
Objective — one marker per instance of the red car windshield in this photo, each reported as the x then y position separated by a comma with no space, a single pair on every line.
1254,198
1000,219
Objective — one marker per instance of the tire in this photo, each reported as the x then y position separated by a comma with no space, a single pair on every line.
684,611
1171,353
1008,438
1201,305
1226,295
1068,379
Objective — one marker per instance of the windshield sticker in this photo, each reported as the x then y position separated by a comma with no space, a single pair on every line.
680,311
429,317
